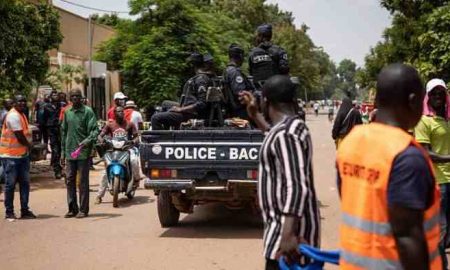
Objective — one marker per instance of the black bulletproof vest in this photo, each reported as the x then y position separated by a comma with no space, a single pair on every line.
264,63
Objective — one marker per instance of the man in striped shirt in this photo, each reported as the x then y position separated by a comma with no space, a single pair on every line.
286,192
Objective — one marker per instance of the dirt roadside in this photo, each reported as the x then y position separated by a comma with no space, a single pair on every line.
130,237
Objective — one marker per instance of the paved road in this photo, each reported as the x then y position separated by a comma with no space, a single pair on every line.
130,237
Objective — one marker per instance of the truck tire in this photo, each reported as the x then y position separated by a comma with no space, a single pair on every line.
116,190
167,213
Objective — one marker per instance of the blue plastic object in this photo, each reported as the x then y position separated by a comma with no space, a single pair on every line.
318,259
116,169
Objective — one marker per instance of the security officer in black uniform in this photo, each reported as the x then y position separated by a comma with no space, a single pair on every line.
266,59
235,82
193,99
51,122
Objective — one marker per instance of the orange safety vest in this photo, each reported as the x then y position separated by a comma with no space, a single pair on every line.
128,113
365,159
9,145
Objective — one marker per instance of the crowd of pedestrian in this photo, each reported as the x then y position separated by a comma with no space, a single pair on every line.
393,183
395,194
66,127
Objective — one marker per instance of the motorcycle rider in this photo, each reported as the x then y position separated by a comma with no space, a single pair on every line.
235,81
119,100
266,59
120,128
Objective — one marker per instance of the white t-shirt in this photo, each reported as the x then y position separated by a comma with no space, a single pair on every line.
316,106
13,122
136,118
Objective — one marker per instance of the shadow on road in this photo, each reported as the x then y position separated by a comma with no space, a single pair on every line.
46,183
216,221
100,216
137,200
46,216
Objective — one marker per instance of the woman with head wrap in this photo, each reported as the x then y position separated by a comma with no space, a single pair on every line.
346,118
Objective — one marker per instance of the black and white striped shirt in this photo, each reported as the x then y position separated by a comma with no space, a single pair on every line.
286,185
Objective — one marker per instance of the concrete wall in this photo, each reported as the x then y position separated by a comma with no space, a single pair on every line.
74,49
75,31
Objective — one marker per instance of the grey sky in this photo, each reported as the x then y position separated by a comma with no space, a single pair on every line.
344,28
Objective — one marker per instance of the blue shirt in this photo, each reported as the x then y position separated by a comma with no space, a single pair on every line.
410,182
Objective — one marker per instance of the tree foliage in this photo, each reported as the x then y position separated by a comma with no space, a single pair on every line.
419,35
106,19
28,32
64,76
434,60
151,51
347,77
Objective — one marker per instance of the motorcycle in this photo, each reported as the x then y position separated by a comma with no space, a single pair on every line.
118,168
318,259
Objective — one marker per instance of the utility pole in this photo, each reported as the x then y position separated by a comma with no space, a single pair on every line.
89,90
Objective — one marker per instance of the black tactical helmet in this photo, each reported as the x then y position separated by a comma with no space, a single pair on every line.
234,50
195,58
264,29
208,58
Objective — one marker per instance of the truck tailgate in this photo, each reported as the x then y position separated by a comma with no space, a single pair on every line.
195,152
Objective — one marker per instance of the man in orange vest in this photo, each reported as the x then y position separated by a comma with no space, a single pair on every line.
15,145
390,200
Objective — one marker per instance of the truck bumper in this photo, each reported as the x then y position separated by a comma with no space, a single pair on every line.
173,185
178,184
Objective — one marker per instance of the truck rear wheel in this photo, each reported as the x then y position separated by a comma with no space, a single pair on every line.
167,213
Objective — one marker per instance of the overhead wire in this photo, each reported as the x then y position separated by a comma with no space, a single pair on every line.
93,8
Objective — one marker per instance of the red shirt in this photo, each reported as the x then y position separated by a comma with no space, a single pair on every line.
111,115
128,113
113,129
63,109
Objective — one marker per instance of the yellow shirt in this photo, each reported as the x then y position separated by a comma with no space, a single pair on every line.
435,131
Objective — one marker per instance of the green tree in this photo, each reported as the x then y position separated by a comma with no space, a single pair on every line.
347,77
434,59
151,51
330,81
28,32
107,19
64,76
419,35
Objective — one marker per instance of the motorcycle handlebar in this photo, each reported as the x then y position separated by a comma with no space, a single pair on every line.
107,142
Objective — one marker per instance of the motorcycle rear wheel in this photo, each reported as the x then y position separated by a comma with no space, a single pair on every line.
116,191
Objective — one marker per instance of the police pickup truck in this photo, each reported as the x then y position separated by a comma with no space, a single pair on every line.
191,167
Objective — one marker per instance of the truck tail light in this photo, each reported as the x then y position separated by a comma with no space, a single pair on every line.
163,173
154,173
252,174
